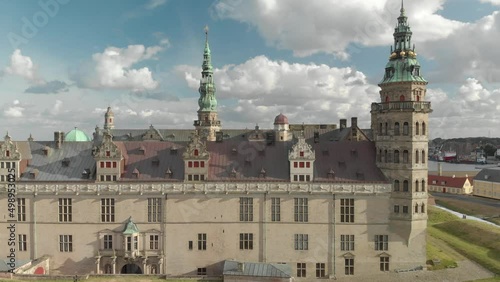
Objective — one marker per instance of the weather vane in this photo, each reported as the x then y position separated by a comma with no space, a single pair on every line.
206,30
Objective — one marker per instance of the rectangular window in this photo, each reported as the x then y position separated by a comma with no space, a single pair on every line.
320,270
108,177
108,153
384,263
8,164
381,242
190,245
301,212
2,165
301,269
301,241
396,208
246,209
202,164
108,242
346,210
347,242
196,177
202,271
275,209
108,164
114,177
108,210
405,209
308,164
102,164
190,164
301,178
114,164
295,164
65,210
202,241
301,164
202,177
190,177
246,241
21,209
136,242
196,164
66,243
308,177
295,178
22,243
154,209
349,266
154,242
101,177
128,247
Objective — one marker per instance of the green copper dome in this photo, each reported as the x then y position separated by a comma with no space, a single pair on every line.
76,135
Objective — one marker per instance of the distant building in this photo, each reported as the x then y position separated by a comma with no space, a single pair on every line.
450,184
487,183
327,201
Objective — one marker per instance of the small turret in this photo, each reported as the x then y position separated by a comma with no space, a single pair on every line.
109,119
282,128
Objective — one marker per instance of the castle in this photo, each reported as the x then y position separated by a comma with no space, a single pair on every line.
328,201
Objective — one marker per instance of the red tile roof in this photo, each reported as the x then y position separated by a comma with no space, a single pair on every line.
447,181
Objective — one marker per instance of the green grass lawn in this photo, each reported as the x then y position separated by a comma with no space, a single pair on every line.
477,241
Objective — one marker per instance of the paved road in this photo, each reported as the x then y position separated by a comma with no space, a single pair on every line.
470,199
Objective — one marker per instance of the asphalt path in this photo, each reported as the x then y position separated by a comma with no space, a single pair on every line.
471,199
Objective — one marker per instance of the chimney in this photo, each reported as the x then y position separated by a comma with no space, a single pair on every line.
440,169
354,122
58,139
343,123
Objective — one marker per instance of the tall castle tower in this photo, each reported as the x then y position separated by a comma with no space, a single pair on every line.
208,122
400,128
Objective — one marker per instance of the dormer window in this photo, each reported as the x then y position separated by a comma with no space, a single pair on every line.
168,174
7,153
331,174
301,153
233,173
195,152
262,173
136,173
156,162
142,150
65,162
108,153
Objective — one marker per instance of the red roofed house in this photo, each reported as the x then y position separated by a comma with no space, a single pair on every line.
450,184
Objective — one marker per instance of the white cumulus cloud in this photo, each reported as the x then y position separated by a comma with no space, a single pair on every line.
333,26
113,69
22,66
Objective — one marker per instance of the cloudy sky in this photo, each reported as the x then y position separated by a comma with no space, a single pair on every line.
63,62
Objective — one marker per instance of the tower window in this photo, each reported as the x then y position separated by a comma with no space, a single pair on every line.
417,131
396,128
405,128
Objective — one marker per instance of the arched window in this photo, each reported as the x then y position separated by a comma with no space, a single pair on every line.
405,186
387,99
423,185
405,156
380,129
405,128
422,208
396,128
417,128
396,156
379,157
423,128
195,152
386,158
416,208
416,156
396,185
402,98
386,128
423,156
418,96
416,185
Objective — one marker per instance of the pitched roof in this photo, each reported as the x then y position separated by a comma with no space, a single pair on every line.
488,174
446,181
257,269
77,156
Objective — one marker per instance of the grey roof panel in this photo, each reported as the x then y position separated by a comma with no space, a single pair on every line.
257,269
488,174
51,168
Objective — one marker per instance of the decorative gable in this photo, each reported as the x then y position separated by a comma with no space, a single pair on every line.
107,149
8,150
302,151
152,134
196,149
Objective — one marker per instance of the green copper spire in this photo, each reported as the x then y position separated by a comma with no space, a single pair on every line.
403,64
207,100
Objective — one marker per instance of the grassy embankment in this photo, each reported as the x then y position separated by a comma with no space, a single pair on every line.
475,240
489,213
